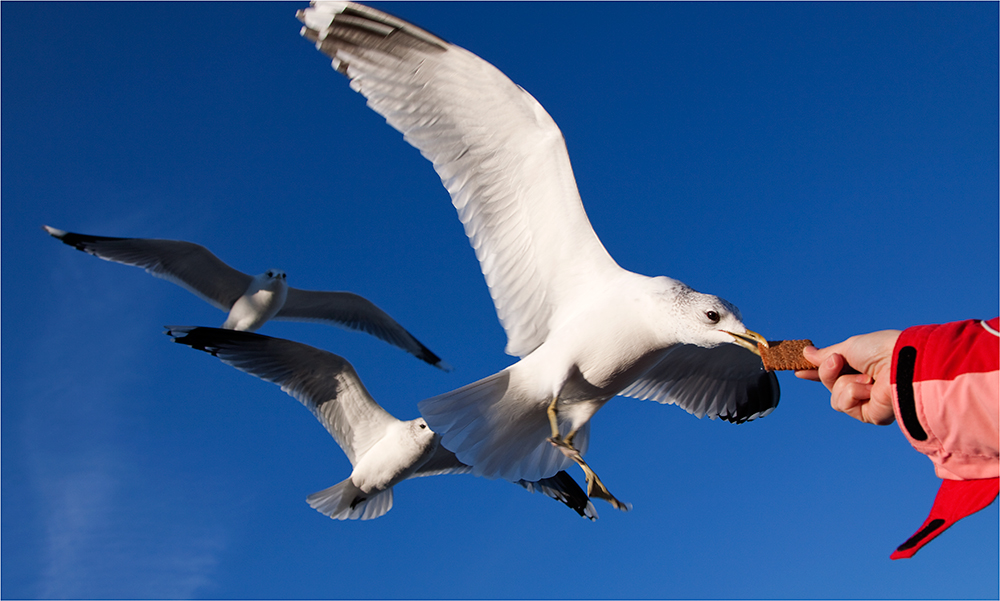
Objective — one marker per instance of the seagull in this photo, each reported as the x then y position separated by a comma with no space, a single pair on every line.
250,300
383,450
584,329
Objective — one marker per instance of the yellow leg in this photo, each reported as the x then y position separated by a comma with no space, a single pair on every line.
595,488
553,421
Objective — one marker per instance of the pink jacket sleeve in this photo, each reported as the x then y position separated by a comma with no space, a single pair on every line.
946,397
946,393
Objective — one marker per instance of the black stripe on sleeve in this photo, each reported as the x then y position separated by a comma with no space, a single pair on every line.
906,361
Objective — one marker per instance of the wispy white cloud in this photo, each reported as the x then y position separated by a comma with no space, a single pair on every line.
101,526
96,547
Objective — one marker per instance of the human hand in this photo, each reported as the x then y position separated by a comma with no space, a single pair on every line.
856,371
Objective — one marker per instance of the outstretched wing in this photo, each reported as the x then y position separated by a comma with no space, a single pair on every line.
354,312
725,381
184,263
323,382
501,157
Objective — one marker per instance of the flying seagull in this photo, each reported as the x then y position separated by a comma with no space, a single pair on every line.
249,300
383,450
584,329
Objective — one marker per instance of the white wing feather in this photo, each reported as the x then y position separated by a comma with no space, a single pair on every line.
348,310
501,157
186,264
323,382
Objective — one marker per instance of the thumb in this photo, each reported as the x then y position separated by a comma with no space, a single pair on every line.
819,355
866,353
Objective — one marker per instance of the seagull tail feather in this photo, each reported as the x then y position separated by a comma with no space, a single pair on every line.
345,501
493,426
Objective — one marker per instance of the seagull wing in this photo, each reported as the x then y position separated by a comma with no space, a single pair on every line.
442,461
354,312
184,263
501,157
323,382
725,381
562,487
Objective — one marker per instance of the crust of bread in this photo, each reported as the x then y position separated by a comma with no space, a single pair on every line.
781,355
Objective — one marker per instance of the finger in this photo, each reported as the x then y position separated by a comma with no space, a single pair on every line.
830,369
879,410
813,355
818,355
851,394
864,353
808,374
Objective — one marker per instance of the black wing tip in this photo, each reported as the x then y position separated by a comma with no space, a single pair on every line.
217,333
436,361
210,340
77,241
574,497
425,354
762,398
198,338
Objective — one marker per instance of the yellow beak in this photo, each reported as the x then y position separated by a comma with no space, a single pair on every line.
748,340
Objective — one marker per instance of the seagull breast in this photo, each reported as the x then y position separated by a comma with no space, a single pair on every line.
404,448
263,299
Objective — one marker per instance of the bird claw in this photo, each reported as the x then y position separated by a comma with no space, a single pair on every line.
595,488
602,492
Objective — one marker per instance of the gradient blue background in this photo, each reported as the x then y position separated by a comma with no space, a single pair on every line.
829,168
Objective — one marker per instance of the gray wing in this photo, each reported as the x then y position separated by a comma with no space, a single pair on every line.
184,263
501,157
323,382
354,312
726,381
561,487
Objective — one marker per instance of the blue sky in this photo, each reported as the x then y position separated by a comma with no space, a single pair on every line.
829,168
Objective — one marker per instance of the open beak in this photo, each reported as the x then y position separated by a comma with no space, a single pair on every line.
748,340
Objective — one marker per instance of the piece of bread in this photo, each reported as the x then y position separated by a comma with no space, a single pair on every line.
785,355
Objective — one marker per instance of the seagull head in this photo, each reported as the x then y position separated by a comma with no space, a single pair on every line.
272,279
425,441
275,274
708,321
724,321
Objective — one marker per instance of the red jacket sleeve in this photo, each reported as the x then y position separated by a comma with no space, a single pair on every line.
946,393
946,396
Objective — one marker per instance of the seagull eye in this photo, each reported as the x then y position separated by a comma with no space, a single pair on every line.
712,316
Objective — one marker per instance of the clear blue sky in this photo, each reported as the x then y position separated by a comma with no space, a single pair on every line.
830,168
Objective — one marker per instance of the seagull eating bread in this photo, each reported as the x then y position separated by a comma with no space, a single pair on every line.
584,329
